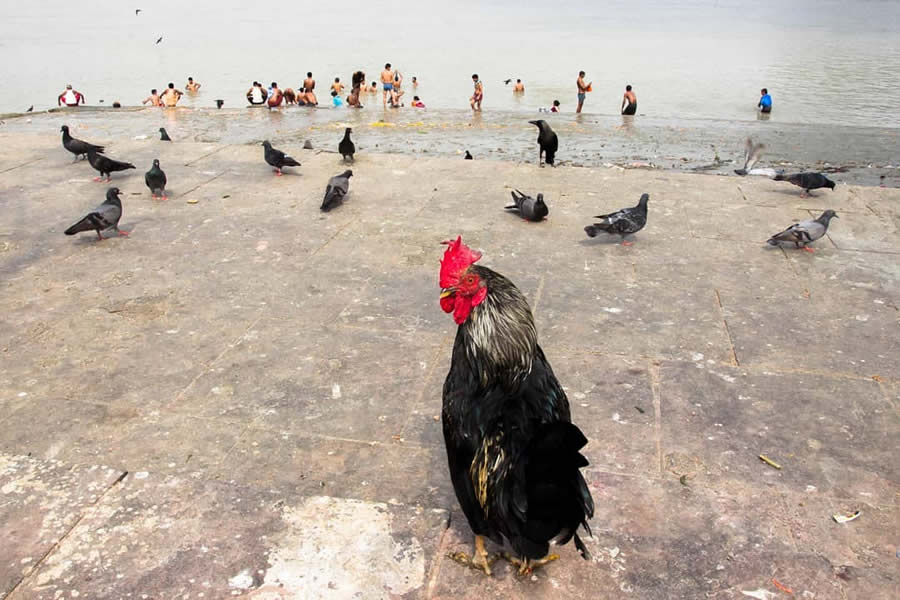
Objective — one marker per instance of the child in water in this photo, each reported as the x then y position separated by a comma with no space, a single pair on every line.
335,99
416,103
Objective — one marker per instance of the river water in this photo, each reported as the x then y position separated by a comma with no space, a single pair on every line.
833,69
823,61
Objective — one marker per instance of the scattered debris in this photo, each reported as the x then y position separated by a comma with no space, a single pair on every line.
769,461
759,594
639,409
683,480
782,587
307,145
192,201
846,518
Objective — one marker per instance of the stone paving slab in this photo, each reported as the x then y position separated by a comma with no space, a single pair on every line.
268,371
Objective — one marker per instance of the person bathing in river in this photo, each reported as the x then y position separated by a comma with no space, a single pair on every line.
256,95
629,102
309,96
275,96
70,97
765,101
153,99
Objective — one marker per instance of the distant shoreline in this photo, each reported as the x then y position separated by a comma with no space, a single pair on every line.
855,154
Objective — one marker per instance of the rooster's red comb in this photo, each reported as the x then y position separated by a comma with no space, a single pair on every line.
457,258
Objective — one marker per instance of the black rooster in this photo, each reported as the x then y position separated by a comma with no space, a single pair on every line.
512,449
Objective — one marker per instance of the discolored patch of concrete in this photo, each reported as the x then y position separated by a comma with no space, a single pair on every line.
159,536
40,502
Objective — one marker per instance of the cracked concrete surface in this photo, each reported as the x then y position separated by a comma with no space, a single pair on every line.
240,399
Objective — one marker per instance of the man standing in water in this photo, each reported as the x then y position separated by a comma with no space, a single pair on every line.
309,84
70,97
478,95
171,96
765,101
192,86
387,83
629,102
519,87
582,90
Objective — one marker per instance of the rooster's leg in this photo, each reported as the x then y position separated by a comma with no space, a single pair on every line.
527,566
480,559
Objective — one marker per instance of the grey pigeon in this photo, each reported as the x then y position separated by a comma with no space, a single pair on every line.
137,11
548,143
163,135
807,181
346,147
106,165
468,156
76,146
106,216
751,156
338,186
622,222
805,232
277,158
155,179
529,208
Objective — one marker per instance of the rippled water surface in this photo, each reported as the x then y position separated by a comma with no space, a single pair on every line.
825,62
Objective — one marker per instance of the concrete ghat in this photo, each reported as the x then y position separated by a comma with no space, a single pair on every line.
269,377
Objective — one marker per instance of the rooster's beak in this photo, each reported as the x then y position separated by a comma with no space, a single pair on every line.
447,292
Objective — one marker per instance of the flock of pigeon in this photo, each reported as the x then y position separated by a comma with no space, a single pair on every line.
624,222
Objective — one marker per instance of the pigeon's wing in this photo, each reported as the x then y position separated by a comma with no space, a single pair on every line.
109,215
800,233
333,195
287,161
76,146
117,165
626,220
103,217
517,200
274,157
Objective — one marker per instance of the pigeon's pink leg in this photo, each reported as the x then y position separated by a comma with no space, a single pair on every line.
99,237
808,249
108,178
98,179
165,197
125,233
152,195
278,173
627,243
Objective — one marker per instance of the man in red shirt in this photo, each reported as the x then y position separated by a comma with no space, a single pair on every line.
70,97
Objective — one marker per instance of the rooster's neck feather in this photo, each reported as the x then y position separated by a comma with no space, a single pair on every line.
501,329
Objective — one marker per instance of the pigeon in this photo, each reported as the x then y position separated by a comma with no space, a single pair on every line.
137,11
751,155
346,147
30,108
506,81
278,159
219,103
163,136
622,222
106,165
808,181
338,186
106,216
159,40
468,156
805,232
155,179
76,146
547,141
527,207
